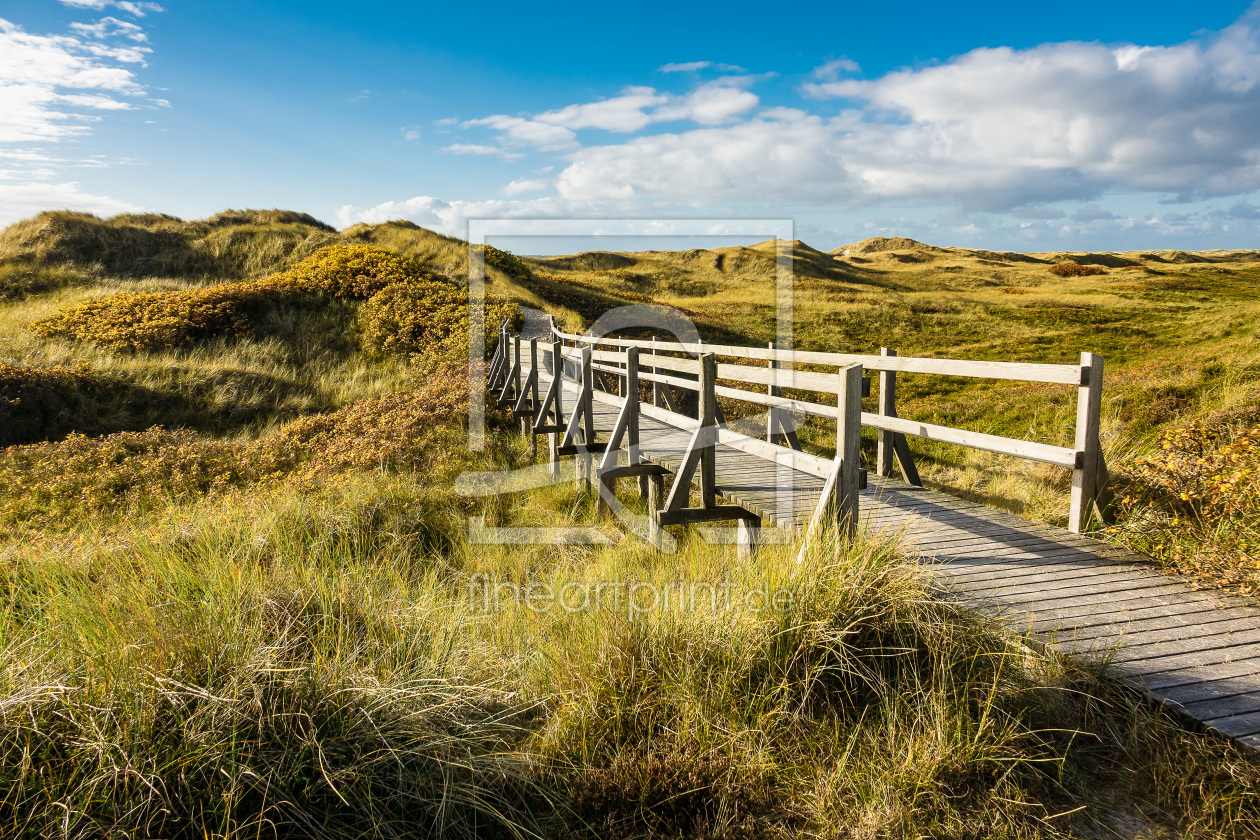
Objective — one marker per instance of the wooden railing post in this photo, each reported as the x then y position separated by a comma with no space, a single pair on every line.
656,386
553,438
1085,477
517,367
849,447
585,460
773,423
632,398
838,501
527,423
888,408
708,422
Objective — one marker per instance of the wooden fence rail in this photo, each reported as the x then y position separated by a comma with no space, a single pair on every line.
611,370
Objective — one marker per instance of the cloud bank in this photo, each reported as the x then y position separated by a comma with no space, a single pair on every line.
994,130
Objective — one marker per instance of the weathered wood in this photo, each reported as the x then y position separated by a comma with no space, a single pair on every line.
1018,371
708,422
716,513
1086,598
1058,455
1085,474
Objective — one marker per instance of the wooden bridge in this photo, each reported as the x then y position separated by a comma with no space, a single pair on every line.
649,411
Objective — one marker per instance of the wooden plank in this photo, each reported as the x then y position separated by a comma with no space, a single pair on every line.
1160,650
1238,725
1063,620
1057,455
1208,621
1208,689
1192,659
1219,707
1021,371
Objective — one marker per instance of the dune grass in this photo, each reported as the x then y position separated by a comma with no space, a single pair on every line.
1178,331
270,621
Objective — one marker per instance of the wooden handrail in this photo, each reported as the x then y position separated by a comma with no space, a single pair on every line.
667,372
1016,371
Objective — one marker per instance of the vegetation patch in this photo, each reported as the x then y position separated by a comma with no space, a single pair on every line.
1070,269
50,484
1194,503
150,321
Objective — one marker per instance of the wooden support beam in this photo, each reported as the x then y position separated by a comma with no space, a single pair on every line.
635,471
1089,451
627,419
554,435
888,408
690,516
905,459
838,501
527,423
708,421
582,425
849,447
511,388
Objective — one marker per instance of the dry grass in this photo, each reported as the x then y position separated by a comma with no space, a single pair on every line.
277,626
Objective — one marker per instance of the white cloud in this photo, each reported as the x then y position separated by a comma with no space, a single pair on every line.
522,186
45,81
476,149
111,26
451,217
625,113
131,8
832,69
992,129
523,131
714,103
22,200
684,66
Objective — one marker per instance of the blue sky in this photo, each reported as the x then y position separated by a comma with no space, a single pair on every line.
1032,127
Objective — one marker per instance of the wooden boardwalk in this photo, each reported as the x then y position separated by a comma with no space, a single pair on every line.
1197,652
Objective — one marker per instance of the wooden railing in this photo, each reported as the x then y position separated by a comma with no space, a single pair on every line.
600,366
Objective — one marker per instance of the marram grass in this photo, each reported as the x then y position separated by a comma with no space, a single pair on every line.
315,664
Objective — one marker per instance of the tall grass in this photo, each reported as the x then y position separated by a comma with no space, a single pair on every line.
316,664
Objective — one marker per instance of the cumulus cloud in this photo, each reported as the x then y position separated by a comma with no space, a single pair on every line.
477,149
992,129
46,81
714,103
22,200
522,186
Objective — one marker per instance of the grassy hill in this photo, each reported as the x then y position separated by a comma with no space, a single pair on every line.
241,598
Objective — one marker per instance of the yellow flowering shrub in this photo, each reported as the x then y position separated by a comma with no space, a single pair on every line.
395,429
47,482
409,310
37,401
349,271
427,315
1195,503
159,320
153,320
